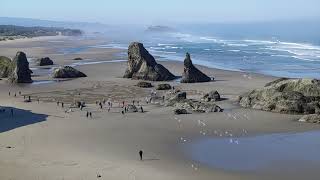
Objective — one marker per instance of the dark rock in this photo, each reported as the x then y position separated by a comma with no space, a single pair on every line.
21,72
180,111
67,72
132,108
178,97
293,96
180,101
142,65
44,61
144,84
212,96
191,74
78,59
6,67
164,87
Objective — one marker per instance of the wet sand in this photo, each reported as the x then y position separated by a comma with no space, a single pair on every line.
49,143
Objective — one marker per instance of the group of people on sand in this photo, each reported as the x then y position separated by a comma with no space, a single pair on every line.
89,114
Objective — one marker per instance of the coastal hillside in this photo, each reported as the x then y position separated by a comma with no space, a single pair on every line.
10,32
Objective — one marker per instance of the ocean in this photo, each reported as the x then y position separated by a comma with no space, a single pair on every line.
266,55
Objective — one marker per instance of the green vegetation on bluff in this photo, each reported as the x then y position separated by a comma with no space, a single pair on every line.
10,32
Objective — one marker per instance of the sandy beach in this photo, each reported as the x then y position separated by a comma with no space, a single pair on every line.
43,141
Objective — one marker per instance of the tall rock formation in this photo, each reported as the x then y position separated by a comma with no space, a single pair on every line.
142,65
191,74
21,72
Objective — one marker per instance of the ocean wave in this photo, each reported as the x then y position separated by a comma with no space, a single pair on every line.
162,44
106,46
237,45
234,50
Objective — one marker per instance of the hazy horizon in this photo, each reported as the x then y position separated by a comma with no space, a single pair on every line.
164,12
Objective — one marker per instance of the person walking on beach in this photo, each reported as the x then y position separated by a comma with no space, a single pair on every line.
141,154
9,93
90,114
62,104
141,109
87,114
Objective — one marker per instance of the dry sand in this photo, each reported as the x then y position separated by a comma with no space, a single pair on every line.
48,143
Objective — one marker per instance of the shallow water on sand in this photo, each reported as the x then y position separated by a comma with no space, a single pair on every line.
257,153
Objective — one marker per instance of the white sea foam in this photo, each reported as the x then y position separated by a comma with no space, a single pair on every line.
234,50
161,44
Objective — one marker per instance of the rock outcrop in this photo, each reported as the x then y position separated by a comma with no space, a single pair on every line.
292,96
142,65
6,67
311,118
180,101
191,74
144,84
67,72
21,72
132,108
180,111
164,87
212,96
44,61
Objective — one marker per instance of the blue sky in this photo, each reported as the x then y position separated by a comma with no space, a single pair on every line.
151,11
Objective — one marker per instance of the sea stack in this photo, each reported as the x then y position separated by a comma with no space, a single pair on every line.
142,65
21,72
191,74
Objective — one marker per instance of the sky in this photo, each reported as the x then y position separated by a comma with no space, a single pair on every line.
162,11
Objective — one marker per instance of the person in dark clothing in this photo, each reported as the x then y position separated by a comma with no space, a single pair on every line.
122,112
11,112
62,104
141,109
90,114
141,154
15,94
9,93
87,114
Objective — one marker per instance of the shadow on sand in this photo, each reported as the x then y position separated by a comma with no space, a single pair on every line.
20,118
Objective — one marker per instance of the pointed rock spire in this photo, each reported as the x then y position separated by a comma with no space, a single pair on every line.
191,74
